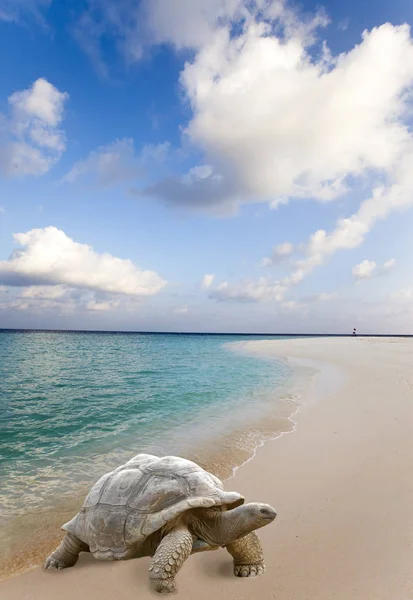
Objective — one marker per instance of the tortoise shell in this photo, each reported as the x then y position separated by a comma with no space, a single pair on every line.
140,497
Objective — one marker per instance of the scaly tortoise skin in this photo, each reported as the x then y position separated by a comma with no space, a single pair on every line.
166,508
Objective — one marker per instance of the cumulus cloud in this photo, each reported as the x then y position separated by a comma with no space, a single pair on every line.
49,257
368,269
364,270
207,281
116,162
250,290
350,124
31,141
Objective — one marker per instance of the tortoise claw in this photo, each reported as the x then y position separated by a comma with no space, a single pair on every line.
249,570
54,563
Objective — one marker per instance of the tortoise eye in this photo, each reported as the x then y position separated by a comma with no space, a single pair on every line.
264,511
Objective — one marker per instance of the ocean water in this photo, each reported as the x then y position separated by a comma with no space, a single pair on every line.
75,405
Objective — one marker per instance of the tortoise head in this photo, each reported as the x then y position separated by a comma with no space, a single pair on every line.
240,521
222,528
254,515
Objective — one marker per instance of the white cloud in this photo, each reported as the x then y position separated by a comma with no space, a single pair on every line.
350,123
165,23
368,269
261,290
18,159
388,265
277,202
32,141
116,162
246,93
283,249
364,270
266,289
207,281
42,102
279,254
49,257
351,232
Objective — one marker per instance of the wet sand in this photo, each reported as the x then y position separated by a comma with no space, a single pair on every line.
341,482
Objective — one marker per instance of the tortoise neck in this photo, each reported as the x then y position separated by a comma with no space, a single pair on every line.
222,528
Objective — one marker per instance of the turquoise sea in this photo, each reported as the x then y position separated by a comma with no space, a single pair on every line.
75,405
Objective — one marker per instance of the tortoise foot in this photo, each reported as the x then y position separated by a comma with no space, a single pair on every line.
52,562
249,570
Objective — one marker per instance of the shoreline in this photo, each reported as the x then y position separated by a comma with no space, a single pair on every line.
341,485
305,395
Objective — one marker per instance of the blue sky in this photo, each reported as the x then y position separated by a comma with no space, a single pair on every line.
206,165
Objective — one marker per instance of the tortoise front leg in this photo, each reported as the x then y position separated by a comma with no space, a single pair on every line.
67,553
248,556
169,557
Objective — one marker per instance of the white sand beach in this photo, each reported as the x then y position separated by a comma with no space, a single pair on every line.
341,483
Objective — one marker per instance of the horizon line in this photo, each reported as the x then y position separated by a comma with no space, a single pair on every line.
200,333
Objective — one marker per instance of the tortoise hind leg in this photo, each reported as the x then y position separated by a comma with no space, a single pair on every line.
67,553
248,556
169,557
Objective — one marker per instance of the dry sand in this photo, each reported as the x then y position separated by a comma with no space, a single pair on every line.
342,484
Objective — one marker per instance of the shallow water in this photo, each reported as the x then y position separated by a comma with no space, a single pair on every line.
75,405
